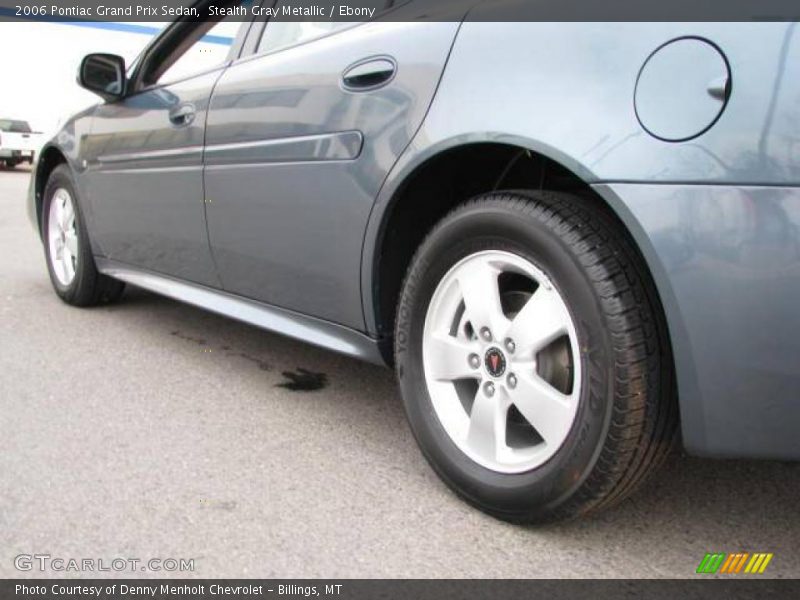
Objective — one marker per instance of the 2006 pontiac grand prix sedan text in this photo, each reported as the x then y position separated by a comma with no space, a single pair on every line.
574,242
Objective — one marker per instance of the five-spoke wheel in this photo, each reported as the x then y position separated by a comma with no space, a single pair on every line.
532,356
70,262
498,352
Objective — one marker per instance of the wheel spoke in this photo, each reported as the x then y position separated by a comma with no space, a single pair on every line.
487,423
448,358
478,284
60,266
71,242
68,215
543,319
58,214
66,260
547,409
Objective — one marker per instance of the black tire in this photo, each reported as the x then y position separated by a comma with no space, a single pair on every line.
11,164
89,287
626,420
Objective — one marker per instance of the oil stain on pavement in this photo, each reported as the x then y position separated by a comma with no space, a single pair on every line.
299,380
303,380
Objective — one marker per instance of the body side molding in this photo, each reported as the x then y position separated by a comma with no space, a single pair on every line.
341,145
187,151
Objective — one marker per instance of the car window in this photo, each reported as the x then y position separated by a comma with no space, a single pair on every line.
208,52
283,34
14,126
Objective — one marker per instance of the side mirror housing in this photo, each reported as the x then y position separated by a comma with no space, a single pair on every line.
104,75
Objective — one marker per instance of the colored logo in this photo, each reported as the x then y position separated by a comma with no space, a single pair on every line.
495,362
736,563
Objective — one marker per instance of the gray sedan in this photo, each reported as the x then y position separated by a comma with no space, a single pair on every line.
576,243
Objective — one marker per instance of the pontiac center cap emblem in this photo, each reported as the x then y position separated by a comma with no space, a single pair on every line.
495,362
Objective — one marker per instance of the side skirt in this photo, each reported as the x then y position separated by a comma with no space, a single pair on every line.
325,334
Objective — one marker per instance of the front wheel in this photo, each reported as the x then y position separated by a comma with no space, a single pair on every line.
69,257
532,357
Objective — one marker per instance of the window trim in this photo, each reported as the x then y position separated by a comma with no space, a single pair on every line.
263,24
302,43
257,27
173,35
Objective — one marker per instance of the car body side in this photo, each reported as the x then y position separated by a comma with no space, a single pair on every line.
716,218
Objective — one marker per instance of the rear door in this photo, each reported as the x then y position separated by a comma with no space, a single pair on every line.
300,137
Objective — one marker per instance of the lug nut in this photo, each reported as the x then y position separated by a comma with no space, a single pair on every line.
486,334
489,389
510,345
474,361
512,380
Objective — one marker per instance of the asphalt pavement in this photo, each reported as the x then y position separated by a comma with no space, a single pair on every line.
151,429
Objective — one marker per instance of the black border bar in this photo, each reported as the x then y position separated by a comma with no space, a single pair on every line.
741,588
405,10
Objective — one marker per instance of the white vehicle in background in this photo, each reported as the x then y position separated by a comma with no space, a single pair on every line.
18,143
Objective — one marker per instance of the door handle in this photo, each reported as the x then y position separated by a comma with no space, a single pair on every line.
182,115
369,74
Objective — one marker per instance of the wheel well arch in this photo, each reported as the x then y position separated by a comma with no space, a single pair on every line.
442,182
49,159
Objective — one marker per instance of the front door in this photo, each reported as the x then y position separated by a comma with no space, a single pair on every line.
144,177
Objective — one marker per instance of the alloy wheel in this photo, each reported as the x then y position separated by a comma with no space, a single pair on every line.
62,235
500,356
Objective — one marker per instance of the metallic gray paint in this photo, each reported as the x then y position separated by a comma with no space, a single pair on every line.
67,145
716,218
566,91
144,180
682,89
184,152
727,265
342,145
291,233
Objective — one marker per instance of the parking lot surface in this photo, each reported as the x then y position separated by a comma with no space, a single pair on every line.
151,429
